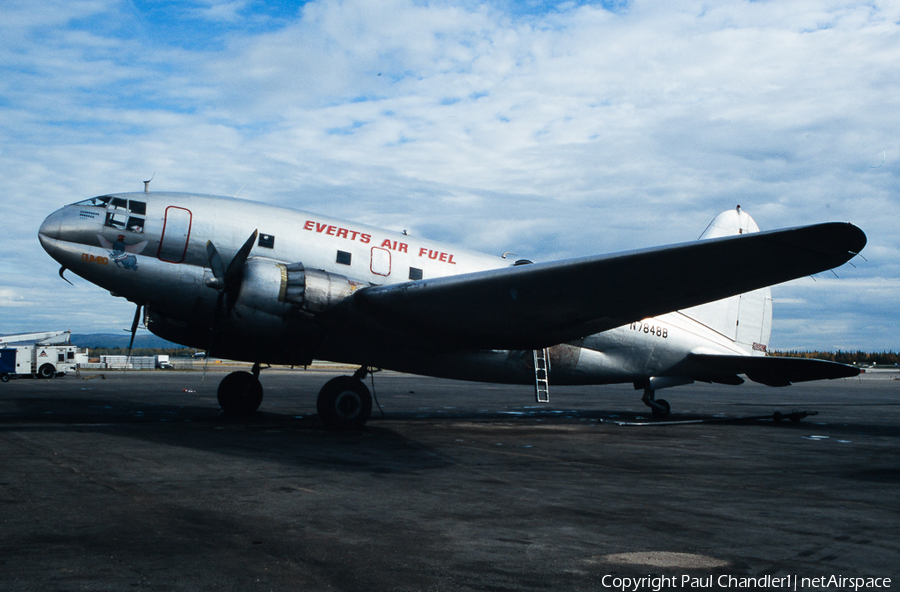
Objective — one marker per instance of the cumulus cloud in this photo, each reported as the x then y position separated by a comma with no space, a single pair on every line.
548,129
11,298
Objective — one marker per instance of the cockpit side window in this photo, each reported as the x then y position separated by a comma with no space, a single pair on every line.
135,224
114,220
123,214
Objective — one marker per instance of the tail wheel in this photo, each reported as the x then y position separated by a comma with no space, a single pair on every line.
240,393
658,407
663,410
344,403
47,371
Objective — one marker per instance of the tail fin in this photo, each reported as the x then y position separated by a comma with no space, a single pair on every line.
745,319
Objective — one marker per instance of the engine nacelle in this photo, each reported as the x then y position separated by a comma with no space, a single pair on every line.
280,289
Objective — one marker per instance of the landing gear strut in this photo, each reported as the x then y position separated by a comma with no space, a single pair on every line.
344,402
240,393
659,407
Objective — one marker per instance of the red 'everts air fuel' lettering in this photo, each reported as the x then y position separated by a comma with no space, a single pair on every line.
437,255
394,246
336,231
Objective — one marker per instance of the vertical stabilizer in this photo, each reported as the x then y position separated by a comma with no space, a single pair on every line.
745,319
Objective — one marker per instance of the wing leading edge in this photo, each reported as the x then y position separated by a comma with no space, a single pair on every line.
531,306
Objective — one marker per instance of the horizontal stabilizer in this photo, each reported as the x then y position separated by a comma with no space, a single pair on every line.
768,370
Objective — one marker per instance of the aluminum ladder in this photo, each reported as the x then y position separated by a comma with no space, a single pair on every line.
542,375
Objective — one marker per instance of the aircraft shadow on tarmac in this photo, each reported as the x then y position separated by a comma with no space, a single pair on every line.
123,410
85,411
283,436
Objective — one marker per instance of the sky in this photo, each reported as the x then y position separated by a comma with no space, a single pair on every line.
548,129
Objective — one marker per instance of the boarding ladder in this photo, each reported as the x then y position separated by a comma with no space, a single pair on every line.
542,375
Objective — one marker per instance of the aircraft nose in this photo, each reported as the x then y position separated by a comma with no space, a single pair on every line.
51,226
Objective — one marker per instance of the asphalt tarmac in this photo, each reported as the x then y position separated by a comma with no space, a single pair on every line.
134,481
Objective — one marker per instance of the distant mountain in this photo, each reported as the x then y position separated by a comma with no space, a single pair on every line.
116,340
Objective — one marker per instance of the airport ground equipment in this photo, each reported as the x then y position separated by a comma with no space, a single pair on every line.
41,354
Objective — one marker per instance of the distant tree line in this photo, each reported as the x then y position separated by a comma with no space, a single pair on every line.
846,357
96,352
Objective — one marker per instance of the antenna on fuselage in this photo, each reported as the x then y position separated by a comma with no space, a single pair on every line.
147,183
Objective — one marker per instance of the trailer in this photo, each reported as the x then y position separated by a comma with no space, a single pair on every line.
39,355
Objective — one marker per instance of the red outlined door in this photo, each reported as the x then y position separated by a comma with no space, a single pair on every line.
176,233
380,264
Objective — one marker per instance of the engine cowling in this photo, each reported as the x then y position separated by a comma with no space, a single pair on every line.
281,289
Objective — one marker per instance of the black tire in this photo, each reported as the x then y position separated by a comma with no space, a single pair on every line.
47,371
240,393
4,377
344,403
664,412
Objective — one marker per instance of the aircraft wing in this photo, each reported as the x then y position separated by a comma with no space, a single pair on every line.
768,370
537,305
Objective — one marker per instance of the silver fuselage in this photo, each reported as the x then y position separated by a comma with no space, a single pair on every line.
151,248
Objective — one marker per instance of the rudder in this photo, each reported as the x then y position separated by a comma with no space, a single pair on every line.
746,318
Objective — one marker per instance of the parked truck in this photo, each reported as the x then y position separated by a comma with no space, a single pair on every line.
41,355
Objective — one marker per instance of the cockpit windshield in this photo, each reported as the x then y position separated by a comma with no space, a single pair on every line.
121,213
94,201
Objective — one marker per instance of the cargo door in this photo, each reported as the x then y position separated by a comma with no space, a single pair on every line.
176,233
380,263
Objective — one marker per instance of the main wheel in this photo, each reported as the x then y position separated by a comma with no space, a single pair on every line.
344,403
47,371
661,413
240,393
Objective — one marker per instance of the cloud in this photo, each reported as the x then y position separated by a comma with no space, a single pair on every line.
549,129
211,10
10,298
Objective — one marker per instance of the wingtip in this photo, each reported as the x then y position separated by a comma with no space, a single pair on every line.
856,239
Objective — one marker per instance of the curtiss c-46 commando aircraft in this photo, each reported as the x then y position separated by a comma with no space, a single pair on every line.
270,285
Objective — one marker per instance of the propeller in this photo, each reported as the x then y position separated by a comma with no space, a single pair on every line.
227,281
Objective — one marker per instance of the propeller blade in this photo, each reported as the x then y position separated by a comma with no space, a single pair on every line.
215,261
217,314
134,326
236,267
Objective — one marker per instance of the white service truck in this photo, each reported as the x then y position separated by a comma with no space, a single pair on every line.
41,355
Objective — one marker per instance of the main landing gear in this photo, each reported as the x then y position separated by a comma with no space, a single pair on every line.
240,393
344,403
658,407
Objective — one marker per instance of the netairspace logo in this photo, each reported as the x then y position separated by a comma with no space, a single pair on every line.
792,582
